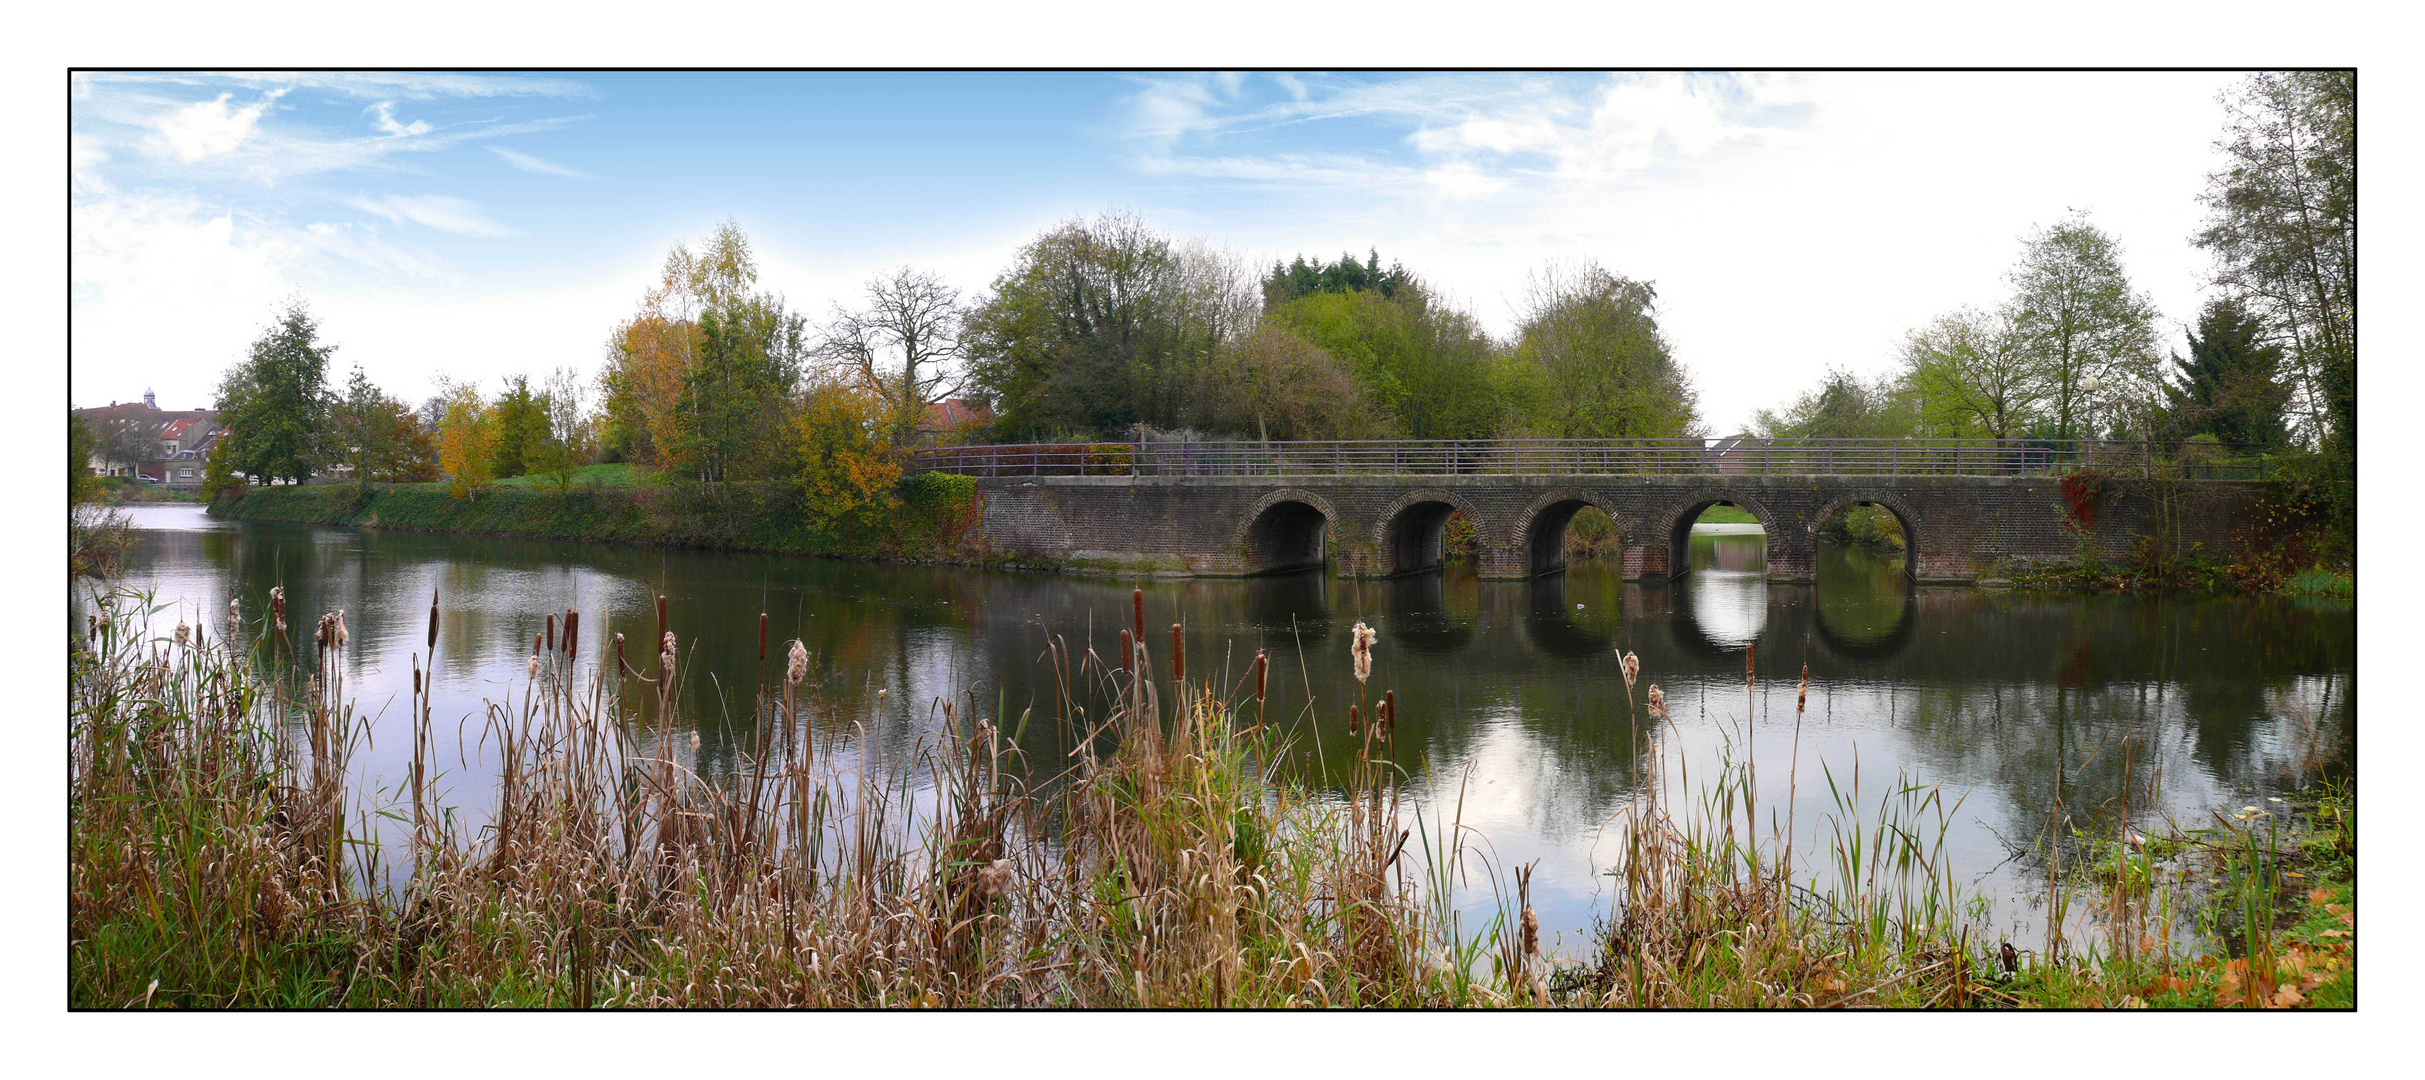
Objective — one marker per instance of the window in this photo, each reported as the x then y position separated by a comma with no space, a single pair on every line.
187,474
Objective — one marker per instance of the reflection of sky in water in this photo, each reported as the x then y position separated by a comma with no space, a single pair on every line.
1729,583
1510,689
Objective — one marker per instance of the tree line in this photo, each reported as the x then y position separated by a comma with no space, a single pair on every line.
1105,328
2074,351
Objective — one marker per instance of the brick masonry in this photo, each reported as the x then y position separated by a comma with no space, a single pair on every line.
1377,526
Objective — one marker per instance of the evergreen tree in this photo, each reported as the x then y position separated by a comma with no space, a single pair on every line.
2229,385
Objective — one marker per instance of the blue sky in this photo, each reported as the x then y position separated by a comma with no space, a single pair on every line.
480,224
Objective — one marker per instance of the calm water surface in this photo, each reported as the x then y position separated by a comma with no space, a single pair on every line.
1509,691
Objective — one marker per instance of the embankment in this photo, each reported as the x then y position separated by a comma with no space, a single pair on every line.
924,519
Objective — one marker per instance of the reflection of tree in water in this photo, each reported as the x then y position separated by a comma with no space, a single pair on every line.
1864,607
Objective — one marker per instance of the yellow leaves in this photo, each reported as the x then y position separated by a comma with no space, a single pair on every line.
846,466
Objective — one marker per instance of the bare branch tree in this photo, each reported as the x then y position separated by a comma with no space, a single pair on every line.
904,344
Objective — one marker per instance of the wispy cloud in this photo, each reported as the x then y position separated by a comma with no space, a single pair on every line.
529,164
362,85
386,121
206,129
444,213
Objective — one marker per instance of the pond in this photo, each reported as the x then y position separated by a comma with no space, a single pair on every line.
1511,700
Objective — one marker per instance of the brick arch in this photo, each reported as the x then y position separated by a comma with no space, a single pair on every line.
1909,518
1522,538
1676,525
1402,554
1262,551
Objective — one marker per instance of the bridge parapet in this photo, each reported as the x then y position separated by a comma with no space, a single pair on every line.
1737,456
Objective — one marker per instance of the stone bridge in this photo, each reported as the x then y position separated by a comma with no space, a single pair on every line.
1957,527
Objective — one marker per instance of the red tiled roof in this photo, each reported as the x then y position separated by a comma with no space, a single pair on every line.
953,413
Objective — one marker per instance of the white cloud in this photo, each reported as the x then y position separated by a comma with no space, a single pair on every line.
444,213
387,121
207,128
530,164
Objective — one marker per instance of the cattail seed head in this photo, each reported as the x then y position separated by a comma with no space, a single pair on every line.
665,654
1262,671
433,625
618,652
1658,702
1532,932
1128,647
182,631
993,882
572,626
661,614
798,668
761,635
341,634
532,666
1801,693
277,607
1386,717
1136,599
1178,655
551,631
1632,666
1362,649
1355,720
694,742
235,618
536,645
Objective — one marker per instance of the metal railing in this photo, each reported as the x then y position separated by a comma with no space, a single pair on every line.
1599,457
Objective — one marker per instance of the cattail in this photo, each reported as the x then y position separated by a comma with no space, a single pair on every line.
277,607
532,667
1136,598
1532,932
761,635
1178,655
182,631
341,634
1801,693
665,655
416,673
1632,666
433,625
1355,720
694,742
572,627
324,632
1747,663
551,631
1362,648
1262,669
1658,702
1128,646
619,664
235,618
798,669
1386,717
993,882
660,614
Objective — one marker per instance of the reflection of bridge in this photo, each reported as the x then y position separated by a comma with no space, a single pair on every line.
1378,509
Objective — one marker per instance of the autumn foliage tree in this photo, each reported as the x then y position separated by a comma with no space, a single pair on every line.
466,439
847,465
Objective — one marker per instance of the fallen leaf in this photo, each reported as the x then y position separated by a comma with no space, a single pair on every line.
2336,933
2320,894
2287,997
2133,1002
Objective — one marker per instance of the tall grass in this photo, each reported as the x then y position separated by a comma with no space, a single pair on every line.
222,856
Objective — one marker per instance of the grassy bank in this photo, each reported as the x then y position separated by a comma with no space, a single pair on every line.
927,518
218,859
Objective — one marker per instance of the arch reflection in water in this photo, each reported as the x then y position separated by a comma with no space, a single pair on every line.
1726,595
1866,608
1419,616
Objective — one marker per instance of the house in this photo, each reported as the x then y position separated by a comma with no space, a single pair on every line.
177,441
1737,453
949,421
